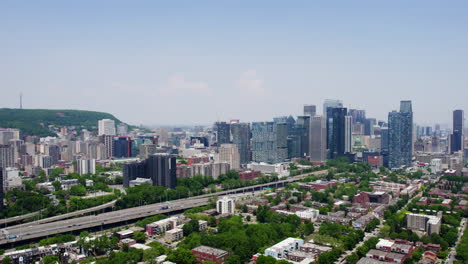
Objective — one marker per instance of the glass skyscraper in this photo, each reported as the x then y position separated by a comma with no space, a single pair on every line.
456,139
269,142
400,136
241,138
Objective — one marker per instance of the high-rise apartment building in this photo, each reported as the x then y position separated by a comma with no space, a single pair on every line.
223,132
122,130
241,138
229,153
425,223
109,145
318,139
400,136
106,127
225,205
8,134
86,166
456,138
310,110
7,156
336,132
269,142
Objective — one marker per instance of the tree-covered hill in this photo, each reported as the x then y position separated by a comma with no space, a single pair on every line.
37,121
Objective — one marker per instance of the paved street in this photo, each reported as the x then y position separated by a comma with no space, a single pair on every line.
452,251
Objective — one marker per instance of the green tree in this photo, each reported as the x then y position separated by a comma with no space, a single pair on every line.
7,260
51,260
78,190
182,256
140,237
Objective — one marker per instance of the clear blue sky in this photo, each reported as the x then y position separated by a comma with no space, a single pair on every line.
189,62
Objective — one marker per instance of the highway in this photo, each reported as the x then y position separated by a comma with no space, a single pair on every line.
70,215
18,218
47,228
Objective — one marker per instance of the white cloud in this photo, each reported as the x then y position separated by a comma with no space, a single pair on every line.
176,84
250,84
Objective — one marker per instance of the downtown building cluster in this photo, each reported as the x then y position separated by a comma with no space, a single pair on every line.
162,155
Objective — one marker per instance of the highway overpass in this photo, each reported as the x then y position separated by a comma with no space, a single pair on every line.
35,230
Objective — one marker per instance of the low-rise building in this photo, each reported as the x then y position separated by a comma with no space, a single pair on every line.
174,235
202,225
204,253
281,249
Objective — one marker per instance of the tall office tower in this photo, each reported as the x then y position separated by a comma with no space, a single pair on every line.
86,166
223,132
106,127
122,130
8,134
241,138
269,142
122,147
384,139
294,144
359,116
400,136
161,169
456,138
133,170
288,120
229,153
369,124
437,130
303,124
336,132
109,144
348,134
331,103
7,156
318,139
310,110
429,131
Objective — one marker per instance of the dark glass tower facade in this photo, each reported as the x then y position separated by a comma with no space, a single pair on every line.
456,139
241,138
160,168
269,142
122,147
400,136
336,132
223,133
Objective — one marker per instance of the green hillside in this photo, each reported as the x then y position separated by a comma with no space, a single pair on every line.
36,121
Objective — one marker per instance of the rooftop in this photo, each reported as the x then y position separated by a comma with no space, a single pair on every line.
209,250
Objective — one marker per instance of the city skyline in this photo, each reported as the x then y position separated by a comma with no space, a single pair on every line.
162,64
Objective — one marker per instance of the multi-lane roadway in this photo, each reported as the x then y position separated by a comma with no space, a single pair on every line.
48,227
